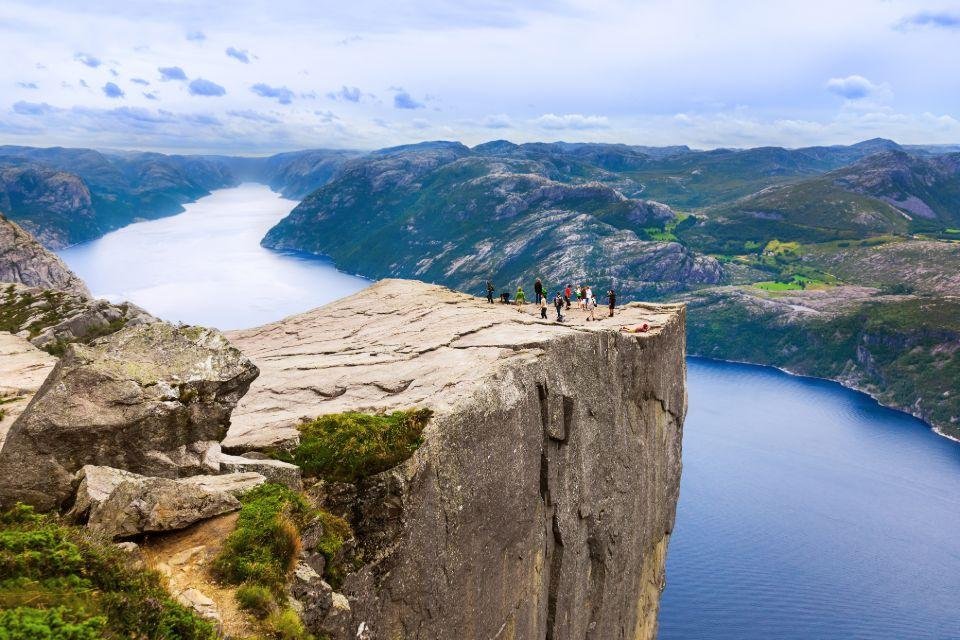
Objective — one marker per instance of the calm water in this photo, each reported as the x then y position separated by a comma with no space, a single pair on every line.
206,266
807,511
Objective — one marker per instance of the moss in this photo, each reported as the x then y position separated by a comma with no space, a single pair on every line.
256,600
346,447
286,625
66,580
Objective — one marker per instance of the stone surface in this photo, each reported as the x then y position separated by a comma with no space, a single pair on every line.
23,368
49,319
275,471
121,504
542,499
24,260
139,400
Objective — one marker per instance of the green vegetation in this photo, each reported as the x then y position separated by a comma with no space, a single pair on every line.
257,600
64,582
346,447
286,625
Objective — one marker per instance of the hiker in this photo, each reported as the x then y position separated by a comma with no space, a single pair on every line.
521,299
612,297
639,328
538,290
490,289
558,303
566,296
591,305
543,306
505,297
581,294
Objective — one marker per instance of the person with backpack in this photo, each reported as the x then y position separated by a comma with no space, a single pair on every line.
490,289
612,297
558,303
566,296
591,305
538,290
521,299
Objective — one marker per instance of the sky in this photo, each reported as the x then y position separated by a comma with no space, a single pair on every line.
251,78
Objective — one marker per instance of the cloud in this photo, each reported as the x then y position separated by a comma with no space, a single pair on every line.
171,73
574,121
201,87
348,40
196,36
240,54
112,91
32,108
27,85
87,59
403,100
282,94
497,121
150,95
254,116
852,87
140,81
114,73
83,83
940,20
350,94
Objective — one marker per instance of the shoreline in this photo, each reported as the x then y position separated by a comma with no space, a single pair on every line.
846,385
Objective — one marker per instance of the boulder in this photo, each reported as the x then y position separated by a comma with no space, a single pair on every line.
275,471
121,504
148,399
314,595
23,368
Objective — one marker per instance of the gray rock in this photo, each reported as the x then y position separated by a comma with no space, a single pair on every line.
23,368
24,260
275,471
121,504
541,501
314,596
136,400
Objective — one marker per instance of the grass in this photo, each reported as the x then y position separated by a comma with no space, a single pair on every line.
346,447
65,582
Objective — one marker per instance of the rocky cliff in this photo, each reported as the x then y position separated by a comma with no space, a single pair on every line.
24,260
541,500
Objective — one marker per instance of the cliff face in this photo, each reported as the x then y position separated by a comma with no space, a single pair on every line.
543,496
24,260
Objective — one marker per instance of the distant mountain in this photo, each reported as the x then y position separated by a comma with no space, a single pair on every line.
887,192
445,213
66,196
294,174
24,261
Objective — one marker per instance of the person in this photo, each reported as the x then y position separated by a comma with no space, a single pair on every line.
581,293
558,303
591,305
612,297
490,289
538,290
521,299
639,328
566,295
543,306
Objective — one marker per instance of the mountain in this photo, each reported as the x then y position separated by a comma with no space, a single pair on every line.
25,261
445,213
891,192
295,174
67,196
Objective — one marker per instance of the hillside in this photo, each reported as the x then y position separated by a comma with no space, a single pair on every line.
445,213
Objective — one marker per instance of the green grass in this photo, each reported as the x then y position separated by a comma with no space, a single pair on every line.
60,581
346,447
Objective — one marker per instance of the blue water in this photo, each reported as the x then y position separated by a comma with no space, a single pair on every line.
206,266
806,510
809,511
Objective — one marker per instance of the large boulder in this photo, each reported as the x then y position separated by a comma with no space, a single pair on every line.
23,368
152,399
121,504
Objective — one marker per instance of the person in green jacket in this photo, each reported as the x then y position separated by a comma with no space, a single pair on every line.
521,299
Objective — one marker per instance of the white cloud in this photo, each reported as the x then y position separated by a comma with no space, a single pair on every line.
853,87
574,121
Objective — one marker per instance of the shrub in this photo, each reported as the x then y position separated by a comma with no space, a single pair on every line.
256,599
72,581
346,447
286,625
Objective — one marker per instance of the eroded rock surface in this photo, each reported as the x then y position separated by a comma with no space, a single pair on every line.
152,399
542,499
23,368
24,260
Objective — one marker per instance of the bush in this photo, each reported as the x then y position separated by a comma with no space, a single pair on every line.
286,625
71,581
346,447
257,600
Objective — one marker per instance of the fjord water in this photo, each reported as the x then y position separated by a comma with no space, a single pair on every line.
806,510
206,266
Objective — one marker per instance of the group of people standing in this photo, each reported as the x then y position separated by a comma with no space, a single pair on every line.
562,301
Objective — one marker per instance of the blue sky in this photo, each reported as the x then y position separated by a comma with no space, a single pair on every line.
255,78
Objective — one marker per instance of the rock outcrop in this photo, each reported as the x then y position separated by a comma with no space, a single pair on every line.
23,368
152,399
24,260
121,504
542,499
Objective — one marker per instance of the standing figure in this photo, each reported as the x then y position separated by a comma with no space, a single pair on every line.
538,290
490,289
566,296
612,297
558,303
543,306
521,299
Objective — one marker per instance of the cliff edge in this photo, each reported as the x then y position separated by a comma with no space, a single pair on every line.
542,498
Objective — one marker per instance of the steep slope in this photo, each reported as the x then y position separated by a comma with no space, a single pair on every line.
542,497
23,260
66,196
295,174
444,213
